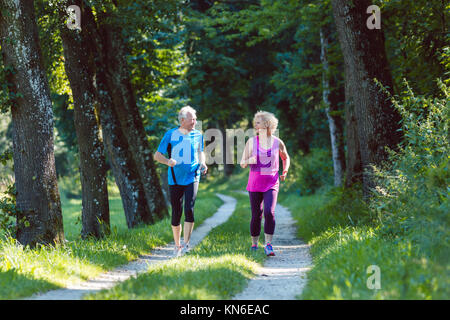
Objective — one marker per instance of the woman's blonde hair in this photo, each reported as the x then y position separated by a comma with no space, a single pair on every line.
269,120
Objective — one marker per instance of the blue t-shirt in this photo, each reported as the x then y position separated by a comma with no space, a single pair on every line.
185,149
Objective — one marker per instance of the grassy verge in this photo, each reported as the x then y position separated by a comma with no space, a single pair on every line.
25,271
346,240
218,268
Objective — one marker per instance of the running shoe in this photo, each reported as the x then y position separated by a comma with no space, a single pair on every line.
177,251
254,248
268,250
186,248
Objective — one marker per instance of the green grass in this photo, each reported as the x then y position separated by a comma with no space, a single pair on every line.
218,268
24,271
346,240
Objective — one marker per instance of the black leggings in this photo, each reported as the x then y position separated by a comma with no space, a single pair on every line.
176,199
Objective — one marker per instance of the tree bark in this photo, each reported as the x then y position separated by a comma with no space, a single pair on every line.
377,121
38,198
80,72
334,121
353,172
118,78
122,163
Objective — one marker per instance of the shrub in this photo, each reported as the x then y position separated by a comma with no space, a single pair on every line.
412,195
310,173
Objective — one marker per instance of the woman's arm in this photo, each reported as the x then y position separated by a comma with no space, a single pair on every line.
247,154
286,160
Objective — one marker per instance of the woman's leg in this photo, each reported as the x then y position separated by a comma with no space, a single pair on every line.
256,204
270,201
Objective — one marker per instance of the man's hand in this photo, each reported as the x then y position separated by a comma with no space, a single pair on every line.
203,168
171,162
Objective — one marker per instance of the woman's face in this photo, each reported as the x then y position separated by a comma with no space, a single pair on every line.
259,124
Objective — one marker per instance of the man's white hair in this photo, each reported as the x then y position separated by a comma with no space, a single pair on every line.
182,114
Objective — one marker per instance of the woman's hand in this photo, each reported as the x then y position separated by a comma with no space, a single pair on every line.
283,176
252,160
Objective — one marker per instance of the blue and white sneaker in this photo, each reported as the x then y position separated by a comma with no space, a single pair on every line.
268,250
186,248
254,248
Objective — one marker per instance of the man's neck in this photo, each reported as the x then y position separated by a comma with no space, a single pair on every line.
184,130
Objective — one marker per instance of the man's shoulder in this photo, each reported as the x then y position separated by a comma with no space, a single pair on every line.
170,133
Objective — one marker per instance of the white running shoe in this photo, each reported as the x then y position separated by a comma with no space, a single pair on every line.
177,251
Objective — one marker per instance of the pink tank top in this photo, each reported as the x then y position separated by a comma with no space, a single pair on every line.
263,175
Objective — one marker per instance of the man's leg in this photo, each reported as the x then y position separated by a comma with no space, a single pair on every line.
176,200
190,195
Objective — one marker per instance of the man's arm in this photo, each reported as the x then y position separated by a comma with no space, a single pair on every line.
203,166
158,156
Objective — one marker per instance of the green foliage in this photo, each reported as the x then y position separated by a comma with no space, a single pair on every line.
413,194
309,173
8,210
417,42
403,229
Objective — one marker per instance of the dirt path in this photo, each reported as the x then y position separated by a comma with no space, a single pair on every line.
282,277
132,269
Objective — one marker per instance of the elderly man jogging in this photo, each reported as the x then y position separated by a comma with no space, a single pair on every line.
186,161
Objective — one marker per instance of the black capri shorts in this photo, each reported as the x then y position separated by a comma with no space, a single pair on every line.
176,199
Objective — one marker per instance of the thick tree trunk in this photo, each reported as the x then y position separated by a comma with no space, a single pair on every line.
118,78
365,60
79,70
353,172
334,121
38,198
123,165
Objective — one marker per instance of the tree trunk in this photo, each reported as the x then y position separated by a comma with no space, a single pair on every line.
353,172
334,121
38,198
122,163
118,78
377,121
79,70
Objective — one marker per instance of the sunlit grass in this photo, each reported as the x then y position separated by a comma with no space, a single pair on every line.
345,241
218,268
24,271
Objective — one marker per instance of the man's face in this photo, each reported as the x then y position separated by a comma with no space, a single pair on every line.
189,122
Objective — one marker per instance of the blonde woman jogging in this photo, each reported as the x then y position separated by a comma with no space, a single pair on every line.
262,153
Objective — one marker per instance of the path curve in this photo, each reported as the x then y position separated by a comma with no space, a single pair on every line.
283,276
158,255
